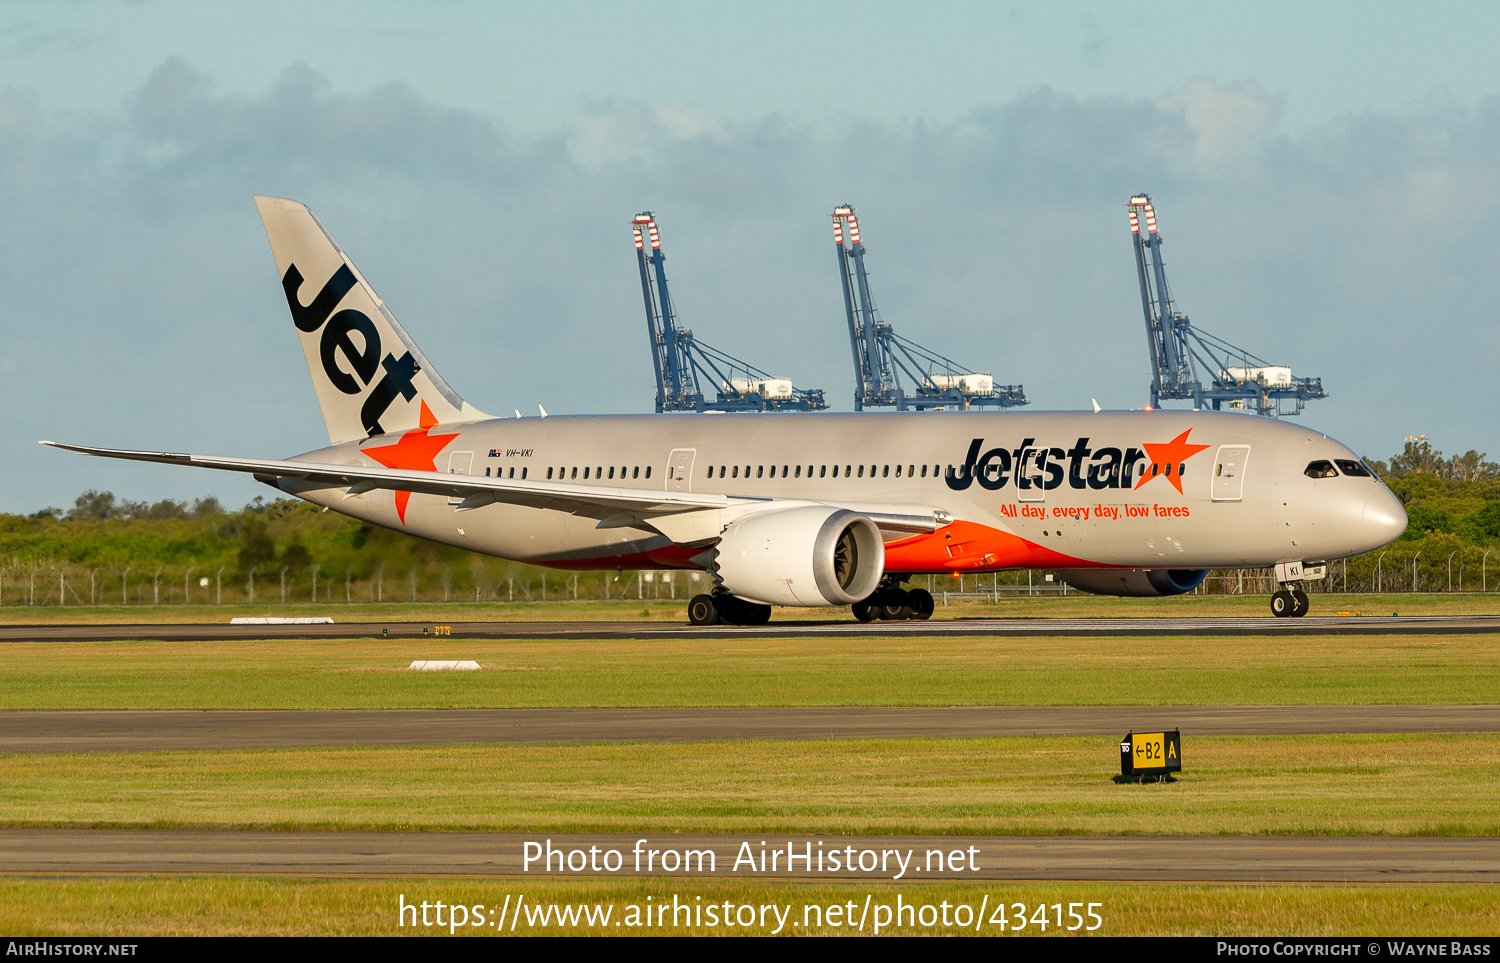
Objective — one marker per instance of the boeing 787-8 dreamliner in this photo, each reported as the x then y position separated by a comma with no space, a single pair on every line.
800,509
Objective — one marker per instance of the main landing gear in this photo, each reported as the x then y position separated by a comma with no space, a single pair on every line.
1289,603
890,601
721,608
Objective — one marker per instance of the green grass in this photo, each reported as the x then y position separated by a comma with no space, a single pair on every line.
706,671
1073,605
1292,785
265,907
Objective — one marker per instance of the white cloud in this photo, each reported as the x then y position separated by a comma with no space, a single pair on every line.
1224,120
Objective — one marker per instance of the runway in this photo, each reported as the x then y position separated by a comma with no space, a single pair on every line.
49,731
1218,626
1152,859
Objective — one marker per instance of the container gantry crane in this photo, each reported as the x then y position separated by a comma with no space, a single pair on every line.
1239,379
684,363
882,357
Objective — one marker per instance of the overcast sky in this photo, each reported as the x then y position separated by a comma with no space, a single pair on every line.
1326,179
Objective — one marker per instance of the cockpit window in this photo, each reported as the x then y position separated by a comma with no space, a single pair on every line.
1321,468
1352,468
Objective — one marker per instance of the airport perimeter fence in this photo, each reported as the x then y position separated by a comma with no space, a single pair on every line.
47,583
50,583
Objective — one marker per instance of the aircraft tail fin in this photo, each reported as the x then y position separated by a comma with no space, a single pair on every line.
369,376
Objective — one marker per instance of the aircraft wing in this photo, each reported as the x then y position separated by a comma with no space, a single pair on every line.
475,490
614,506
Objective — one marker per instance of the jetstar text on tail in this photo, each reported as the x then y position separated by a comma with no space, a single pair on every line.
363,361
1031,466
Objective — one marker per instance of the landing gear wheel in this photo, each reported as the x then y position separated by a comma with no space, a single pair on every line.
702,611
1300,604
736,611
1282,604
754,614
895,606
864,611
922,605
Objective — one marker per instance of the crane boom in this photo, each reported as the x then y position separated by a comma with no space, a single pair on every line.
882,357
1236,378
680,361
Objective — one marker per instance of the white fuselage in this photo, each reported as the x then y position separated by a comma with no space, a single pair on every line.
1045,489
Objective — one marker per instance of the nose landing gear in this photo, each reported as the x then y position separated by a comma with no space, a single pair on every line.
1289,603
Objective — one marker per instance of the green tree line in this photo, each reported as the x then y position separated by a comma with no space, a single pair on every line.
118,552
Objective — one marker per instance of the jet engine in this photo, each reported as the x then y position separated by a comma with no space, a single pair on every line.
813,555
1141,582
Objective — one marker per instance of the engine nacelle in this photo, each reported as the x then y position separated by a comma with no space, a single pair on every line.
1139,582
814,555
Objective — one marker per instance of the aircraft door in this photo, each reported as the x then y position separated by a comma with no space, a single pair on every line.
1229,473
680,469
458,464
1032,470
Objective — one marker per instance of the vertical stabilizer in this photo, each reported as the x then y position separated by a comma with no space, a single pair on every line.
370,377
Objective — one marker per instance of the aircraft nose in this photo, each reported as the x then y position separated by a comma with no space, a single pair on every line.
1384,518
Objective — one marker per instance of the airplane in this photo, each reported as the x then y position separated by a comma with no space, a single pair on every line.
814,509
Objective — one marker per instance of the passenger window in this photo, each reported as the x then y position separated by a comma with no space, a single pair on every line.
734,472
1320,469
648,471
924,471
549,474
585,473
759,472
523,473
861,471
635,472
710,472
798,473
823,472
1353,469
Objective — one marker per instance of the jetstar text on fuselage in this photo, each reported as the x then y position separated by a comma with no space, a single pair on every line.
1031,466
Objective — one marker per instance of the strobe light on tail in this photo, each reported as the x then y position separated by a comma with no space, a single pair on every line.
802,510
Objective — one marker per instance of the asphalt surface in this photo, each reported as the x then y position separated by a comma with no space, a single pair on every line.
1156,859
1236,626
51,731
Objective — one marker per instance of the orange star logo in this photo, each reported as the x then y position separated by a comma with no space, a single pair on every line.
416,450
1166,460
